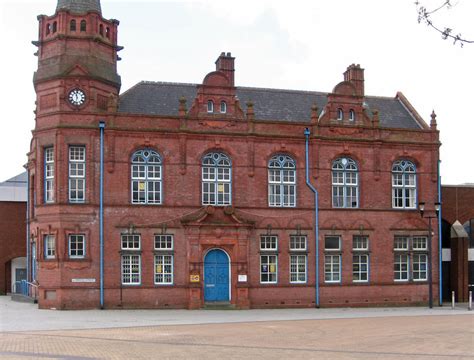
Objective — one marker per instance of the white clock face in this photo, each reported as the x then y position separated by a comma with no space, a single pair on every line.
77,97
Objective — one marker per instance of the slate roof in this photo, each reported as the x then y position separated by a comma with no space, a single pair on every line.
79,6
161,98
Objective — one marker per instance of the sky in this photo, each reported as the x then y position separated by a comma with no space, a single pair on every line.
299,44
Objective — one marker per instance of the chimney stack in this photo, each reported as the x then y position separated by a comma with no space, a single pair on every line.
225,63
355,75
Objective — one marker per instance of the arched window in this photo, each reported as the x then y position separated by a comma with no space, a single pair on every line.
107,32
48,29
352,115
281,181
403,185
101,30
55,27
216,179
83,25
210,106
345,192
72,25
340,114
146,177
223,107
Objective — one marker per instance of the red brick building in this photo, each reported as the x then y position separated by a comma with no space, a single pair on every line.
13,266
205,196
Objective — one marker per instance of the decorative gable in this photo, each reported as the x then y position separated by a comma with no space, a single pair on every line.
217,97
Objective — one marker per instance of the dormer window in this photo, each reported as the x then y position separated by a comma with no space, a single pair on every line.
223,107
83,25
210,106
72,25
352,115
340,114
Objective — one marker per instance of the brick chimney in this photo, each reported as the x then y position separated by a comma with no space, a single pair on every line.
225,63
355,75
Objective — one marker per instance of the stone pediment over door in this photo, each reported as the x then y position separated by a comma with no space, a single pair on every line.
213,216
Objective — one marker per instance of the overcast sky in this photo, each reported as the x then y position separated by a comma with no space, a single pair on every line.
303,45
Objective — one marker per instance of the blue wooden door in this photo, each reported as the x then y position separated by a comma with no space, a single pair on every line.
216,276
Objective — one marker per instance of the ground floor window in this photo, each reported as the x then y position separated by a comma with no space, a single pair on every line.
77,246
131,270
268,268
49,247
420,266
163,269
360,268
298,268
332,268
401,266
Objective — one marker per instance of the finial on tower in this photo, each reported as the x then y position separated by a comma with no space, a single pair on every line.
433,120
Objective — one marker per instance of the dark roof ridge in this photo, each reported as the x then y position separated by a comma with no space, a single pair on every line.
174,83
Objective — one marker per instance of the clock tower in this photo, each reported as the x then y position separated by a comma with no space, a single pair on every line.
77,60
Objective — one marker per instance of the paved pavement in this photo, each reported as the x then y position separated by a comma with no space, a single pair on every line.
375,333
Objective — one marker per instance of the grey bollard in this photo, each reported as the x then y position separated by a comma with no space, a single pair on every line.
469,307
452,300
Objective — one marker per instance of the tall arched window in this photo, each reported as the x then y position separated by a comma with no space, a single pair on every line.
55,27
403,185
345,186
216,179
101,30
146,177
281,181
72,25
83,25
340,114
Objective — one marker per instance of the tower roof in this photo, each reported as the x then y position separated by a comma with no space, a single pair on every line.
79,6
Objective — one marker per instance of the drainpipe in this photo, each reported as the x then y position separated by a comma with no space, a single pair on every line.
28,277
101,213
440,239
316,213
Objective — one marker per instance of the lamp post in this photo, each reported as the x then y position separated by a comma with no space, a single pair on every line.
437,206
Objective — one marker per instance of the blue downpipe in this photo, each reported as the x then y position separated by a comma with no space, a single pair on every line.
101,213
316,213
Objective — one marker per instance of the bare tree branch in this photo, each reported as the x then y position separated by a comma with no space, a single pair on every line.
424,15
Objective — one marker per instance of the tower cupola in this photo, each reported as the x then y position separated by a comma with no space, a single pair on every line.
79,6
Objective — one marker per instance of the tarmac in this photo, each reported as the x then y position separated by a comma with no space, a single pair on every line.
338,333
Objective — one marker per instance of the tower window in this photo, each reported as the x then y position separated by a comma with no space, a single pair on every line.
55,27
210,106
223,107
48,29
340,114
107,32
352,115
83,25
72,25
101,30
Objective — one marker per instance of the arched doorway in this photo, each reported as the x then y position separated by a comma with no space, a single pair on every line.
216,276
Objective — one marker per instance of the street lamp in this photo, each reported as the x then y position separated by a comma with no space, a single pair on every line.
437,206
